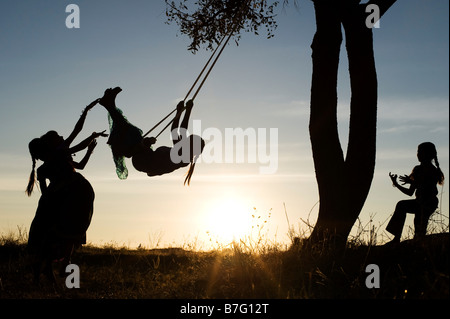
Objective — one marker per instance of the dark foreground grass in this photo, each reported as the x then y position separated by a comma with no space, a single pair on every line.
411,270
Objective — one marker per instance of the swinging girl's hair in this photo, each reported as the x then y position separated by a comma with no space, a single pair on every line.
194,140
429,150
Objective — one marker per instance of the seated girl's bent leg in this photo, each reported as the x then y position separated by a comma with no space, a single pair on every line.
395,225
422,216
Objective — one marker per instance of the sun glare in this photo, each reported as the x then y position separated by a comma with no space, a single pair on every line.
228,219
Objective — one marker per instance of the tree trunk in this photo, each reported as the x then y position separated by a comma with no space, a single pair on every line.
343,183
326,148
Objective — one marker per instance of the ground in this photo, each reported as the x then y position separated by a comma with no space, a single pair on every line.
410,270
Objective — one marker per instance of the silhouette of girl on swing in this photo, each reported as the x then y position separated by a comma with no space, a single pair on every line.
126,140
65,207
423,182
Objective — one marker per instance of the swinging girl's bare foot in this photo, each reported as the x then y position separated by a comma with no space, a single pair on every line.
189,105
180,108
109,98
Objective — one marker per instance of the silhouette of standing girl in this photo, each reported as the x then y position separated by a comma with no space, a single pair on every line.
65,207
423,182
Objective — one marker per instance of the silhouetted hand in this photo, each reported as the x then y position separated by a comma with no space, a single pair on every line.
148,141
405,179
152,140
90,106
190,104
393,178
97,134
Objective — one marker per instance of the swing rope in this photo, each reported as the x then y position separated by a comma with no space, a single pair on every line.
190,90
201,84
193,86
227,37
203,70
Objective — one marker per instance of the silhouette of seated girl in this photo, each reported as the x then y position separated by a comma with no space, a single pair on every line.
126,140
423,182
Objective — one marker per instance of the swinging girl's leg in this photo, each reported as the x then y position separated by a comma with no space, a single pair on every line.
185,122
109,102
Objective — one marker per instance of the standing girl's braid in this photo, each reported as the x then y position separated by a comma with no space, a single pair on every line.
36,148
32,179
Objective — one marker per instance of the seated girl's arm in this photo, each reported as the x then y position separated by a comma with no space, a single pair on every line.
407,191
82,164
405,179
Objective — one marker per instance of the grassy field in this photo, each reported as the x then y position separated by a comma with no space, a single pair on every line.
411,270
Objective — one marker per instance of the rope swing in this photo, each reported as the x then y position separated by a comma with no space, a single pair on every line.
222,44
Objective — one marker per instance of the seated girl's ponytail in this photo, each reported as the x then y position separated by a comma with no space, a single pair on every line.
441,175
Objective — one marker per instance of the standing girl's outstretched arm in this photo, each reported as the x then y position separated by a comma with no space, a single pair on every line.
79,125
82,164
86,142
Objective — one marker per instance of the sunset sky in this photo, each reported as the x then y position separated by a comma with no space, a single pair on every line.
49,73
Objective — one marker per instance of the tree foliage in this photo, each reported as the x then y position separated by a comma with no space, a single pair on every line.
206,22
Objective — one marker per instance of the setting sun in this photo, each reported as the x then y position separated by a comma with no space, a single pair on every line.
228,219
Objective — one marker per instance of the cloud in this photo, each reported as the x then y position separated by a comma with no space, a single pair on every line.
402,128
396,109
405,110
292,109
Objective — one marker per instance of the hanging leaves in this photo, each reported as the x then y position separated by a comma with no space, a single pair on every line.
206,22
